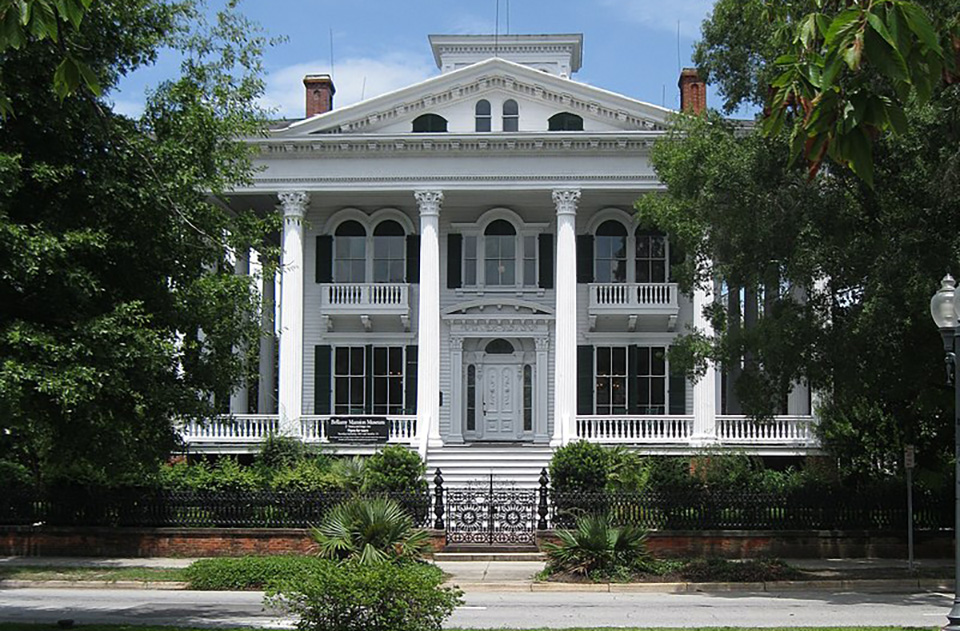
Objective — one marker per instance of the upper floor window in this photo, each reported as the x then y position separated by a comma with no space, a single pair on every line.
511,115
428,123
500,253
651,257
565,121
389,252
500,257
483,115
611,253
350,253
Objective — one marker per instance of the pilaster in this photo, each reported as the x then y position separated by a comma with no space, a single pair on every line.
456,389
565,356
294,205
428,324
540,429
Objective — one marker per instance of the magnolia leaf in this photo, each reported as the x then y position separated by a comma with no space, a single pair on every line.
842,24
89,78
886,58
66,78
920,24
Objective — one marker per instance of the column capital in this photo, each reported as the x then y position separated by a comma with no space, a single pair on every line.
566,200
294,204
456,342
542,343
429,201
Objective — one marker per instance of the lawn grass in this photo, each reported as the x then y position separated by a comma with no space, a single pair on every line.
70,573
9,626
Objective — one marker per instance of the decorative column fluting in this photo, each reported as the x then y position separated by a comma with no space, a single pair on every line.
240,397
565,354
266,404
428,323
705,389
294,205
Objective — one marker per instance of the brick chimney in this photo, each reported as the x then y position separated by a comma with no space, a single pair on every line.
693,92
320,93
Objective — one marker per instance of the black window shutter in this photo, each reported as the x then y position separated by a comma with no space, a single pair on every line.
585,258
545,241
410,374
454,264
678,393
676,258
585,384
413,258
368,381
321,380
633,380
324,258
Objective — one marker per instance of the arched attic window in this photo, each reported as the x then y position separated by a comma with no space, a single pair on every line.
429,123
350,252
389,252
511,115
565,121
610,253
483,115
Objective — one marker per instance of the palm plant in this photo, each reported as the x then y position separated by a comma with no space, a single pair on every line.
369,531
348,474
596,546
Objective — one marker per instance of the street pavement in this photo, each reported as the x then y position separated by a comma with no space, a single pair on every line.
497,610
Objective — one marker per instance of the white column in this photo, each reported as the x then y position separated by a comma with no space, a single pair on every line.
540,429
565,372
265,396
705,389
294,206
456,389
428,324
239,398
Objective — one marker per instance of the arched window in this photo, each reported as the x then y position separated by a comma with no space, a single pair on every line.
527,398
429,123
389,252
565,121
500,253
471,398
482,111
350,253
651,255
511,115
499,346
611,253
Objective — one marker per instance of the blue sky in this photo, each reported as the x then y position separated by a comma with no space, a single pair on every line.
630,46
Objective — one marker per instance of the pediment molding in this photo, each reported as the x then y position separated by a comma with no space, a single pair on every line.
497,308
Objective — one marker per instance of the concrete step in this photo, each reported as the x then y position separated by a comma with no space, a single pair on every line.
489,554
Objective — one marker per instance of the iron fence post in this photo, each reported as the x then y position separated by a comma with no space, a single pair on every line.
438,500
542,503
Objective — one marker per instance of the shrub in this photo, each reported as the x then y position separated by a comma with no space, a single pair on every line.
225,574
395,469
369,531
627,472
306,475
722,570
597,549
347,474
353,597
579,467
282,452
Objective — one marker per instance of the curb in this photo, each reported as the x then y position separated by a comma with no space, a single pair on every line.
61,584
908,586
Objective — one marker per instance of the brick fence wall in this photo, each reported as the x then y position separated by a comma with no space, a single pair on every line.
204,542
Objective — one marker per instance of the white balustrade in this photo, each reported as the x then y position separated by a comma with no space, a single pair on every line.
633,297
635,429
238,428
773,431
365,298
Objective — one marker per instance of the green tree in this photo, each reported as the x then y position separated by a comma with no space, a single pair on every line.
118,310
846,269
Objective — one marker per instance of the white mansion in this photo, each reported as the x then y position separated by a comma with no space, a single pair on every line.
461,264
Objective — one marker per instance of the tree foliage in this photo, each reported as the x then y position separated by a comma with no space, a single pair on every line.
119,312
845,270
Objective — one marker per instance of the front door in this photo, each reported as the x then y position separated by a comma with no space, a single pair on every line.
499,400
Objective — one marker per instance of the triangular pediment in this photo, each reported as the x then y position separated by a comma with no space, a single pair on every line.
453,95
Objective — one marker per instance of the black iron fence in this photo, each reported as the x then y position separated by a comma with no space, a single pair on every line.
185,509
737,510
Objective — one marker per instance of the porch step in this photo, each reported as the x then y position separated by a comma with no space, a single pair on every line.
489,554
464,465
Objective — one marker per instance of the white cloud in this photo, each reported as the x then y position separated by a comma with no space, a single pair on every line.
665,15
355,79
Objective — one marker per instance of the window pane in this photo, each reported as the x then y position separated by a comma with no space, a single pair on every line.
657,390
603,392
619,271
529,272
511,123
491,249
483,123
658,271
492,271
380,361
340,391
396,361
381,272
356,360
342,361
603,247
358,247
644,354
356,394
643,246
658,363
620,361
643,272
508,247
470,247
380,391
603,361
619,391
470,272
396,391
358,271
657,249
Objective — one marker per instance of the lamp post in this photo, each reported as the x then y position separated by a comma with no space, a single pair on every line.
944,310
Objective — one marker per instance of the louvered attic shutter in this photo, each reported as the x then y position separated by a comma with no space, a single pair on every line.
585,384
454,264
324,259
585,258
413,258
545,242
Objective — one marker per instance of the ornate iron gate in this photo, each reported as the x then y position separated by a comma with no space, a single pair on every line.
491,512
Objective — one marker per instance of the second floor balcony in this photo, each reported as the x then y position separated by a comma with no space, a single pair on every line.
634,300
366,300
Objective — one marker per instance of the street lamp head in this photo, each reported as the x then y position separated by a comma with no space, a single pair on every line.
942,306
